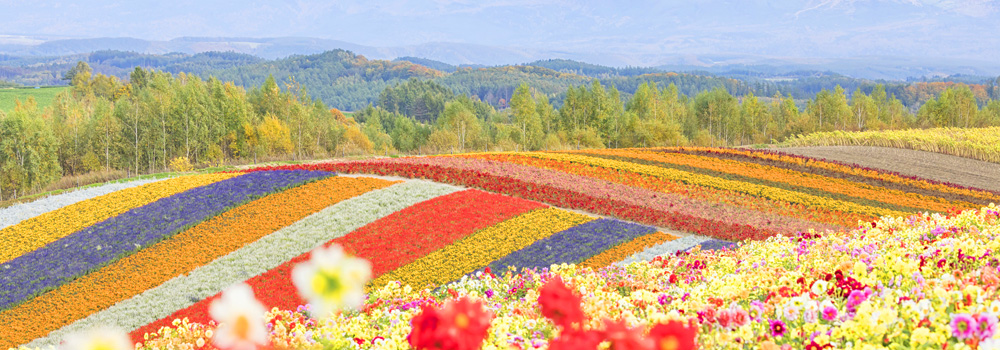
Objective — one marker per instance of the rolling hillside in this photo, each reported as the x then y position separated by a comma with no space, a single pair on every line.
161,253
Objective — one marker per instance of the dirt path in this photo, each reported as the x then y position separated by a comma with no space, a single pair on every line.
928,165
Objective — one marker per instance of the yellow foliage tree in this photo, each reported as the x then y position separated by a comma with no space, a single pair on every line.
354,142
274,136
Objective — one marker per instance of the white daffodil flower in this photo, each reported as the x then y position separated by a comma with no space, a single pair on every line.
240,317
98,339
331,280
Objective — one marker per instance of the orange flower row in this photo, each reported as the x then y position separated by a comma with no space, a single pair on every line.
177,255
857,171
819,182
712,195
624,250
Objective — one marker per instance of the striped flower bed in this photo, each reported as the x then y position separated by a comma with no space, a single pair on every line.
43,229
143,255
182,253
94,247
16,213
253,259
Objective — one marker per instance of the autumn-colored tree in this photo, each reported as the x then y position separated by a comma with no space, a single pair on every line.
274,136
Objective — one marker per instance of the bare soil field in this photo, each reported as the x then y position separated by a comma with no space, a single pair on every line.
928,165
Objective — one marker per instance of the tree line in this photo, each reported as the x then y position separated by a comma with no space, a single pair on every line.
155,118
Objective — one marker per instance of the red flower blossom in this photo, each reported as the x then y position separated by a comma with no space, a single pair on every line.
725,319
815,346
574,340
673,335
459,325
624,338
559,304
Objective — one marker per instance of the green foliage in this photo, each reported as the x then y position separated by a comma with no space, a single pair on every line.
421,100
28,154
339,78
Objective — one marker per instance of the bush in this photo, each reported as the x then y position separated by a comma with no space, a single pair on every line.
181,164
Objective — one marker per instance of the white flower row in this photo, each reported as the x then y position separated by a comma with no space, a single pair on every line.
254,259
648,254
16,213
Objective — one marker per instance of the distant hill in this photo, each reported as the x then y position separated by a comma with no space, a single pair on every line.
350,81
592,70
340,78
459,54
42,71
429,63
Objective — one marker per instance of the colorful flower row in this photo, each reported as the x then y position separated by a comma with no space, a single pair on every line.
38,231
924,281
627,249
850,189
854,171
724,184
79,253
666,248
595,203
694,198
254,258
178,255
389,243
483,247
859,200
573,245
607,188
16,213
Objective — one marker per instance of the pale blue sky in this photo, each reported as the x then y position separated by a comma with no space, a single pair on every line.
830,28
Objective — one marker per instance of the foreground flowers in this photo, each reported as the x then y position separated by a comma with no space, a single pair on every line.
332,281
460,324
240,318
926,281
98,339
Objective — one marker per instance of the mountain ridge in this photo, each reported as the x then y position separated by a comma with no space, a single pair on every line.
457,54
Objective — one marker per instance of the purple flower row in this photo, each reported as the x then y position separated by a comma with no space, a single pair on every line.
574,245
89,249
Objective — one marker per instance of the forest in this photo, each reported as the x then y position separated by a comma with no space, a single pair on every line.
155,119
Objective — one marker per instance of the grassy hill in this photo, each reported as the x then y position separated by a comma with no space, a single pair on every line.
42,95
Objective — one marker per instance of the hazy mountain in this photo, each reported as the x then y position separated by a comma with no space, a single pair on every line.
639,33
454,54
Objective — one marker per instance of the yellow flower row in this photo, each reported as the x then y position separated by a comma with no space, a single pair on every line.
624,250
858,171
724,184
482,247
36,232
828,184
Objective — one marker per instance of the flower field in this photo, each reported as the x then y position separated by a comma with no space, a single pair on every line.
728,247
975,143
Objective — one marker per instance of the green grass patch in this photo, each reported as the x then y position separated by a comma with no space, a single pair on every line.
43,96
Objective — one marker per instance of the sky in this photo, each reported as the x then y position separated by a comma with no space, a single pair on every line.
956,29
